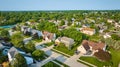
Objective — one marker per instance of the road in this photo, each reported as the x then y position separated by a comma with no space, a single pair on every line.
72,61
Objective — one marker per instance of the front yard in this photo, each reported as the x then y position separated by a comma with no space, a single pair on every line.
114,62
95,61
50,64
65,50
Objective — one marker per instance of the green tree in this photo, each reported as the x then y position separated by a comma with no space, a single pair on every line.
19,61
73,33
4,33
48,26
30,47
17,40
115,37
38,54
62,23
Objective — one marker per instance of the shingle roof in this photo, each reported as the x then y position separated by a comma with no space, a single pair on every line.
95,46
13,51
87,29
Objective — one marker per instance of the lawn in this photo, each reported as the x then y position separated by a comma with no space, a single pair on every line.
64,49
114,62
115,57
95,61
37,40
49,44
61,63
50,64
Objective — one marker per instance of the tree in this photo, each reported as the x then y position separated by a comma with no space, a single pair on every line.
69,23
19,61
73,33
115,37
48,26
38,54
30,47
17,40
4,33
62,23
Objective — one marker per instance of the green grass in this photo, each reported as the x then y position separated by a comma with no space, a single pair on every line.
37,40
60,53
115,57
65,49
49,44
84,63
114,62
26,36
50,64
61,63
95,61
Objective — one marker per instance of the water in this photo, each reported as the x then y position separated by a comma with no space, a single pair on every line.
7,26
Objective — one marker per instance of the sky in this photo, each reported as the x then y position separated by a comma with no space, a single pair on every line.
29,5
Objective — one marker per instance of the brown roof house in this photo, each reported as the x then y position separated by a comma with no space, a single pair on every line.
87,30
87,46
68,42
47,36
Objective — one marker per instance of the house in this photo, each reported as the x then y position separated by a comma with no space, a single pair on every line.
106,36
62,27
33,31
11,32
31,23
4,45
87,30
110,21
89,46
47,36
1,46
68,42
13,51
26,29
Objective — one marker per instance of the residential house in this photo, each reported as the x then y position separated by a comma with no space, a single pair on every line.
87,30
110,21
31,23
4,45
107,35
13,51
33,31
89,46
11,32
26,29
62,27
68,42
47,36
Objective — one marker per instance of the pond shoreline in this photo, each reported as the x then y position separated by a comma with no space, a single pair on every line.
7,26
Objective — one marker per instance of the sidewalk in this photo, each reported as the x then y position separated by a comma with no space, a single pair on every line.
72,61
87,63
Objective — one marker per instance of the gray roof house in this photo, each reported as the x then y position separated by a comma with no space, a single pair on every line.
4,45
67,41
25,29
33,31
13,51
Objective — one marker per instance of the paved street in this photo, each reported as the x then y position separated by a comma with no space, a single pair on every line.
72,61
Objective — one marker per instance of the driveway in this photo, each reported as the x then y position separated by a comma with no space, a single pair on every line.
72,61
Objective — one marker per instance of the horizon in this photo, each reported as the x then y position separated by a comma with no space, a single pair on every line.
57,5
61,10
